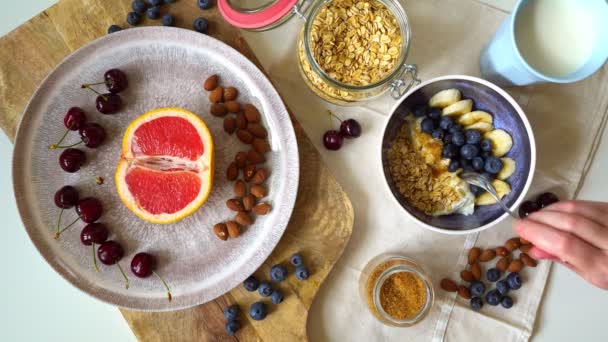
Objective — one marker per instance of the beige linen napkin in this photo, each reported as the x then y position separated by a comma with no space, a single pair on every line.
447,37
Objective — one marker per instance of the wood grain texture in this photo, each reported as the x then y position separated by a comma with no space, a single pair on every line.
320,226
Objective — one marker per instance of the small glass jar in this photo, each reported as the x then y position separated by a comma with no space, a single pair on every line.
374,276
262,15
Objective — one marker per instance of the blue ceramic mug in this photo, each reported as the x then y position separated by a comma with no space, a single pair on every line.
502,61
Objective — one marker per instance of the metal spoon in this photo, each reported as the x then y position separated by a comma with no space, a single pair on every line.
476,179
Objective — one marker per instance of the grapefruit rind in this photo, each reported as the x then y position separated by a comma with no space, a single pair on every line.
205,163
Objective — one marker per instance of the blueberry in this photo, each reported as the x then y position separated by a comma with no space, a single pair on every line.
493,298
469,151
446,123
420,110
467,167
502,287
447,138
476,190
232,327
139,6
477,163
438,134
506,302
204,4
296,260
155,2
232,312
258,311
153,12
493,274
473,136
477,288
485,154
168,20
514,280
486,145
458,138
476,303
133,18
265,290
427,126
493,165
456,128
276,297
278,273
114,28
435,113
201,25
454,165
449,151
251,283
302,273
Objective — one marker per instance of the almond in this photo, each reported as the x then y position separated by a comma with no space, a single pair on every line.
464,292
232,106
229,125
218,109
473,255
230,94
512,244
259,191
255,158
240,159
216,95
487,255
448,285
262,208
476,270
232,172
233,229
235,204
243,219
527,260
244,136
260,176
260,145
249,202
501,251
503,264
524,241
525,248
221,231
241,122
515,266
240,188
467,276
257,130
211,82
249,171
251,113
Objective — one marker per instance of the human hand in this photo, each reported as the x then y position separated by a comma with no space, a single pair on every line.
573,233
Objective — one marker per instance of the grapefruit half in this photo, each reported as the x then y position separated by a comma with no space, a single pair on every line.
165,171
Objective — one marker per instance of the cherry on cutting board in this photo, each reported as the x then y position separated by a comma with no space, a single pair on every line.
143,265
109,253
349,128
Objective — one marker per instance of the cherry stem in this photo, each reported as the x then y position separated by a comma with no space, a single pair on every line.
334,115
94,258
64,229
99,180
124,276
54,146
66,146
166,286
92,84
88,86
59,220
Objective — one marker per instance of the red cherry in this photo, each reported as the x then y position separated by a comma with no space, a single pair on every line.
332,140
143,265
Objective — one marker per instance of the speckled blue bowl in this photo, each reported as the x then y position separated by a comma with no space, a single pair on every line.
507,115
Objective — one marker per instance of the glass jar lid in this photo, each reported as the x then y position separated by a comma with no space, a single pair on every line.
259,15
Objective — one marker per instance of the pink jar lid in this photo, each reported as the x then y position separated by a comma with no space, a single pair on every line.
258,19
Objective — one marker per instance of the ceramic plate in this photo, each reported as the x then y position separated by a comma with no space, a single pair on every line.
166,67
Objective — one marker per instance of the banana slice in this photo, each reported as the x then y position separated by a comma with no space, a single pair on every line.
445,98
458,108
508,168
502,190
482,127
501,142
474,117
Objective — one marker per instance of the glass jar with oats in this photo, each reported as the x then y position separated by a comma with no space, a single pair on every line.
348,50
396,289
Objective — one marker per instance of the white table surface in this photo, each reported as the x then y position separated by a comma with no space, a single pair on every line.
39,305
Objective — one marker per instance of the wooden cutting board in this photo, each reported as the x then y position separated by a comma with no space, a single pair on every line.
320,226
